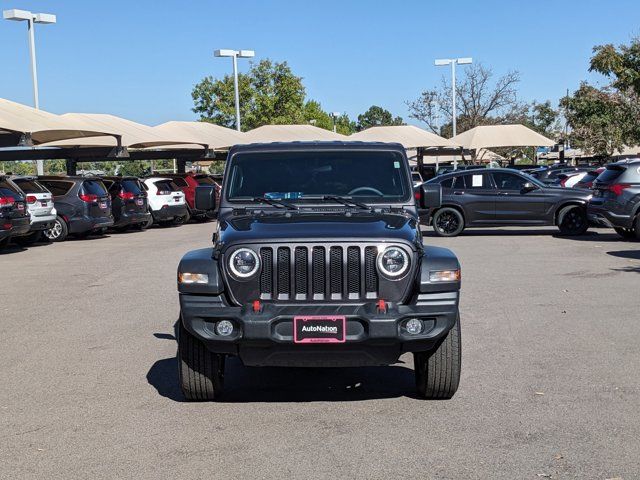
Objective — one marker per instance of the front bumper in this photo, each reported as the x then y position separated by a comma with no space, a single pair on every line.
169,212
265,338
88,224
604,217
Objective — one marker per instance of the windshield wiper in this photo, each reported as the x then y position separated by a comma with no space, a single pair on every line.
276,203
347,202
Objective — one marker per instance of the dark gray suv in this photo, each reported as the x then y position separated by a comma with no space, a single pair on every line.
616,198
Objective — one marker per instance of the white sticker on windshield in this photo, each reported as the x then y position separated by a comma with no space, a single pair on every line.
477,180
396,164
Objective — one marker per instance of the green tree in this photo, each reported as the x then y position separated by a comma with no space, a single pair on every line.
622,64
377,116
269,94
598,119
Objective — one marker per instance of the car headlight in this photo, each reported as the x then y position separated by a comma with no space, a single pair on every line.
244,263
393,261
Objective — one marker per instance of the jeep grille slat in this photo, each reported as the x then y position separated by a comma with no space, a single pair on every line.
307,273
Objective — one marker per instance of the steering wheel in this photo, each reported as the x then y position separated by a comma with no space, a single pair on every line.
361,189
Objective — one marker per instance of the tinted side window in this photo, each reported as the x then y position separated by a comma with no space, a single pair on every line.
473,181
29,186
94,187
132,186
448,183
509,181
7,189
181,182
57,187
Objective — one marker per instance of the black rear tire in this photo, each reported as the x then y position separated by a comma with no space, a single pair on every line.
438,371
447,222
200,371
572,220
58,232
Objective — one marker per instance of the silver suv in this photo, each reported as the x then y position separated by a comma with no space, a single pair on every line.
40,207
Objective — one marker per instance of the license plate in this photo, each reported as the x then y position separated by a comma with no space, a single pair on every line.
319,329
176,199
103,205
20,206
139,202
44,204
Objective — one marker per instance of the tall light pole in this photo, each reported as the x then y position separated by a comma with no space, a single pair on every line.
335,116
453,61
234,54
31,19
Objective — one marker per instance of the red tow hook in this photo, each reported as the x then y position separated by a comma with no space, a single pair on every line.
382,306
257,307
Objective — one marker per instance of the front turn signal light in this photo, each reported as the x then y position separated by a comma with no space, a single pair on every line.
193,278
445,276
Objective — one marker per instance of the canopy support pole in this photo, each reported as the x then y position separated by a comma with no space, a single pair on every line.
181,165
420,159
71,166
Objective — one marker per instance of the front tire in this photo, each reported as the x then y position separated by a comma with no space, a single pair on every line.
572,220
58,232
448,222
438,371
200,371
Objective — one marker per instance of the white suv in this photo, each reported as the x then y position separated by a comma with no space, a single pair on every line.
40,206
166,201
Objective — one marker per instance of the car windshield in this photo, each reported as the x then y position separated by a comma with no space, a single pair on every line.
375,176
532,179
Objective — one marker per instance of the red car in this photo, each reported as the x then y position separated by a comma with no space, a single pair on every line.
587,180
187,182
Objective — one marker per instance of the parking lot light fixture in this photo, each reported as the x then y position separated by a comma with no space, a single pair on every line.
334,116
234,54
453,61
31,19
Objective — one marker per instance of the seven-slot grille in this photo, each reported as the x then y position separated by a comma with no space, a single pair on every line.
335,272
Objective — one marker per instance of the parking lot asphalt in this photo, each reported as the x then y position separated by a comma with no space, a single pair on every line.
550,385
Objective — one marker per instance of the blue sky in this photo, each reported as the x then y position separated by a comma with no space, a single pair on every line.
140,59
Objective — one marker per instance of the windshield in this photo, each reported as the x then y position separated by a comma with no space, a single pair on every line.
375,176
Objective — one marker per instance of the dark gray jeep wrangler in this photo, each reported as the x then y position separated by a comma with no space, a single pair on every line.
318,261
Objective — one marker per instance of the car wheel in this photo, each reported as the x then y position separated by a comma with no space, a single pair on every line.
182,220
30,239
626,233
438,371
200,371
572,220
448,222
58,232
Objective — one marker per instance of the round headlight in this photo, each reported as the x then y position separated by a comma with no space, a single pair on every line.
393,261
244,263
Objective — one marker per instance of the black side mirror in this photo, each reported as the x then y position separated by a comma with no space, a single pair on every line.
205,198
528,187
430,195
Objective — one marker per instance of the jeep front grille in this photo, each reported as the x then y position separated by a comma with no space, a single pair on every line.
318,273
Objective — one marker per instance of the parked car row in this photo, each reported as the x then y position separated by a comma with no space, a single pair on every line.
607,196
58,206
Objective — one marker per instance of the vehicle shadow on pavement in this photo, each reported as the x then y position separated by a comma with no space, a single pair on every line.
630,255
271,384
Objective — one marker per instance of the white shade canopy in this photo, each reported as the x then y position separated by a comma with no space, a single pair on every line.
408,135
134,135
492,136
215,136
291,133
43,127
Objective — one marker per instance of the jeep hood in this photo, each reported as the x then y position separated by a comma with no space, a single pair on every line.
246,229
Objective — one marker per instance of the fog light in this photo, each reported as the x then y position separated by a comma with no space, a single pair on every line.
414,326
224,328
